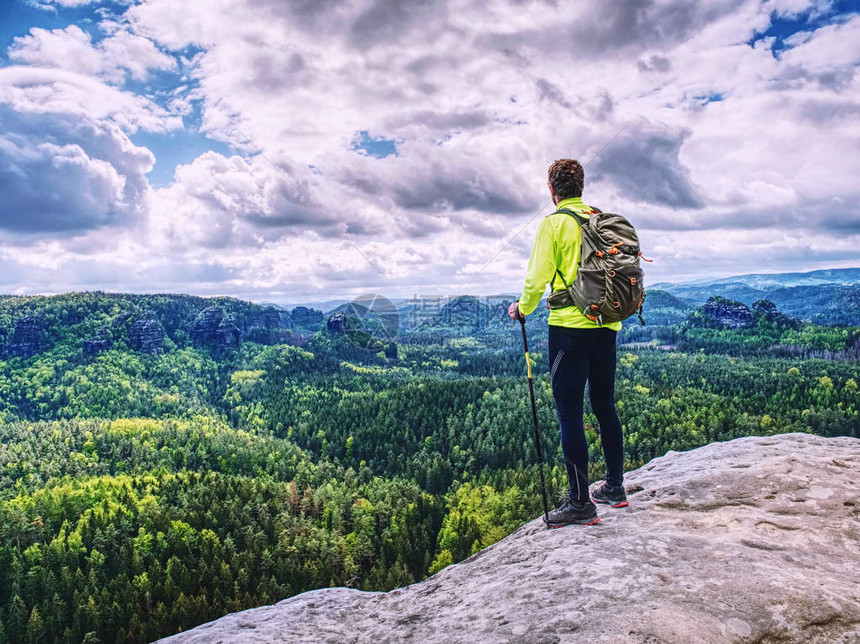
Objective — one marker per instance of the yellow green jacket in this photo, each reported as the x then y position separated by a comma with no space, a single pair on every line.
558,245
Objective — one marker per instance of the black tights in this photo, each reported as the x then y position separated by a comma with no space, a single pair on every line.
577,356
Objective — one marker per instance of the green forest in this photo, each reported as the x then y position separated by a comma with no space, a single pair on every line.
167,459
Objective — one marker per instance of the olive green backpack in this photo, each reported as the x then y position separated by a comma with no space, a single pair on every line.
608,286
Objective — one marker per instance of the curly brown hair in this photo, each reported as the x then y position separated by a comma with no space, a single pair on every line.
567,178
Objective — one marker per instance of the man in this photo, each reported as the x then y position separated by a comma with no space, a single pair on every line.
580,351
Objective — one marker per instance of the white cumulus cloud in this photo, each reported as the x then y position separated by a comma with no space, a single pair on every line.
64,174
728,157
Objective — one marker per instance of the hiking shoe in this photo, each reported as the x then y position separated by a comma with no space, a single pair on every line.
582,513
615,496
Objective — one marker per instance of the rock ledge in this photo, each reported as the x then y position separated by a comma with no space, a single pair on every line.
751,540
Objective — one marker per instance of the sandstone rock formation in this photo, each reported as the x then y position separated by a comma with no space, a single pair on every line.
752,540
28,338
206,325
228,334
336,323
146,335
214,330
266,326
102,341
727,313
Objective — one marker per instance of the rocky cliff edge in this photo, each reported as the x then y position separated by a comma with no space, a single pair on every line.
751,540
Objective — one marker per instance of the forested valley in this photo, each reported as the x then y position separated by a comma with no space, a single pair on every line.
165,460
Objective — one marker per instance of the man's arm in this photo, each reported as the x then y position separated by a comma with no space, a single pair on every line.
541,268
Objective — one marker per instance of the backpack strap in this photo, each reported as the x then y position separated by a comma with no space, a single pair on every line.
586,239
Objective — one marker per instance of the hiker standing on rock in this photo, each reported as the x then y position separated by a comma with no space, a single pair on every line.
580,350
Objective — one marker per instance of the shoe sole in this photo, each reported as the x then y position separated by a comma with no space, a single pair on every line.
622,504
555,526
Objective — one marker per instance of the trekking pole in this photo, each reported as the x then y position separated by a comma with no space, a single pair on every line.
535,422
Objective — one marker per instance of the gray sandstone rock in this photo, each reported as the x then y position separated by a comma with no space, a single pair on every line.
205,329
28,338
336,323
215,330
146,336
752,540
99,342
728,313
262,326
227,334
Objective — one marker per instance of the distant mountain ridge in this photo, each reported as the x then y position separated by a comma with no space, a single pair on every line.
826,297
834,294
767,281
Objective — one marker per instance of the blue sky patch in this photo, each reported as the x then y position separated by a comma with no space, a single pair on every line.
179,147
704,99
378,147
781,28
17,17
172,149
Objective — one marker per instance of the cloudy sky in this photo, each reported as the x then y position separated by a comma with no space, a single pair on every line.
290,150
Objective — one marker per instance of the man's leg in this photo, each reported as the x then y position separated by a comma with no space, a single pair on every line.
568,359
601,389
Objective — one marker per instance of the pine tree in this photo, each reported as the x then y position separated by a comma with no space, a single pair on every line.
35,627
16,623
